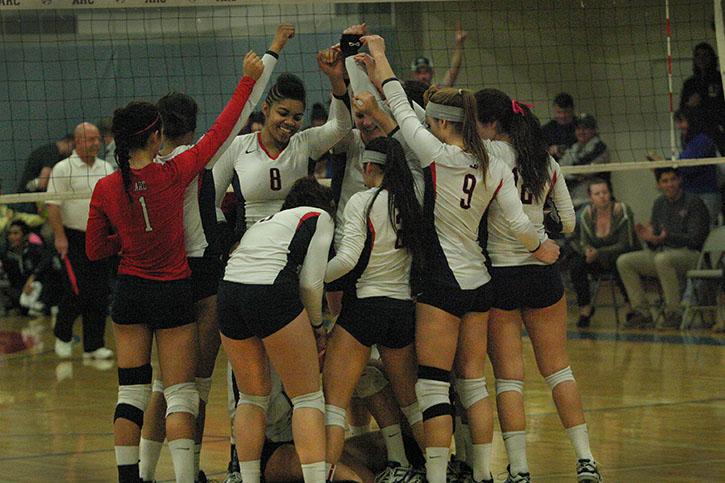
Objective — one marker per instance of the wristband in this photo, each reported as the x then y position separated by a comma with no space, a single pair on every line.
318,326
395,130
390,79
537,247
273,54
350,44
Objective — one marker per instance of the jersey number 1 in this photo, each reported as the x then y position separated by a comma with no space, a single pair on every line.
142,200
275,179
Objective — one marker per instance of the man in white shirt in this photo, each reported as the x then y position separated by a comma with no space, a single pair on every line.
86,292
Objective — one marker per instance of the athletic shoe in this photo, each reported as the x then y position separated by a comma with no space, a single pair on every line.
587,472
639,320
393,472
458,471
233,477
416,475
518,477
201,477
102,353
672,320
63,349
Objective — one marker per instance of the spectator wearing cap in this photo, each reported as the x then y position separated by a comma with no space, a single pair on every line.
422,67
588,149
559,132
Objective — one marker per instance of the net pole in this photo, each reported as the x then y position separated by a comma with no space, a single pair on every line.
668,33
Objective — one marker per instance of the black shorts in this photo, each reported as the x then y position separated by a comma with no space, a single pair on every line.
457,301
158,304
379,320
246,311
205,275
526,286
268,450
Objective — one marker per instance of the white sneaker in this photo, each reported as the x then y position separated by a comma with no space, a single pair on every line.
63,349
233,477
99,354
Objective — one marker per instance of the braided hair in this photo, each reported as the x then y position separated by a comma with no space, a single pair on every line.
288,86
527,137
132,127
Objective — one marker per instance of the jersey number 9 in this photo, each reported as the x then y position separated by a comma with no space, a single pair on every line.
275,179
469,184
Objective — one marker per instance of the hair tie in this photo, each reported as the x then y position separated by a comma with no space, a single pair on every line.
158,117
460,92
516,106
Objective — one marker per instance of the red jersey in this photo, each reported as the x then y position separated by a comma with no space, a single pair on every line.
149,228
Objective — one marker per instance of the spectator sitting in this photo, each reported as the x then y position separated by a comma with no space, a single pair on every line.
704,90
38,167
588,149
674,238
422,67
606,230
559,132
34,281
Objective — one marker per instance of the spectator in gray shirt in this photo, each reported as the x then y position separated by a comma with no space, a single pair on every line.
674,238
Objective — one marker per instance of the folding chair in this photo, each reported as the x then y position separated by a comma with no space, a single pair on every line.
597,280
709,269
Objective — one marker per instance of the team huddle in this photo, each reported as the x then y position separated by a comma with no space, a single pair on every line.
430,250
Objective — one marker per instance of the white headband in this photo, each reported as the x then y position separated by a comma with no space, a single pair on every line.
374,157
442,111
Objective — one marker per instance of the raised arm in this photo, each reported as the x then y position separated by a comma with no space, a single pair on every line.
456,58
100,242
312,274
353,239
191,162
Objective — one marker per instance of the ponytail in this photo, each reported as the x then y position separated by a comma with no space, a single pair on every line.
527,138
464,99
398,181
132,127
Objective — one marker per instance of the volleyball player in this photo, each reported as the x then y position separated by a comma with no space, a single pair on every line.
274,274
381,238
178,115
452,310
137,212
540,301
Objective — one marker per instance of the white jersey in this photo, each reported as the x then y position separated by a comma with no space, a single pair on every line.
456,199
352,179
503,247
370,253
199,197
289,247
261,182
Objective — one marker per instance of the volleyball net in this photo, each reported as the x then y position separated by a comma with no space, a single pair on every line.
63,62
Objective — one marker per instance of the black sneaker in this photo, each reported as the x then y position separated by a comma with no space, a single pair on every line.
201,478
518,477
587,472
585,320
639,320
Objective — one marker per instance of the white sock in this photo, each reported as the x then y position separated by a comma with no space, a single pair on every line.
579,436
394,444
460,440
182,456
481,461
126,455
149,452
197,458
436,464
358,430
250,470
313,472
515,442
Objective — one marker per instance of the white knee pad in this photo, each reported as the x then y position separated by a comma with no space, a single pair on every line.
506,385
136,395
433,394
334,416
558,377
371,382
203,384
262,402
158,386
412,413
314,400
470,391
182,398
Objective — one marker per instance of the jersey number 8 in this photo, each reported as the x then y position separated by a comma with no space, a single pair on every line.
275,179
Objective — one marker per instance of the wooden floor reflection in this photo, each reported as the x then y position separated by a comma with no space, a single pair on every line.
655,406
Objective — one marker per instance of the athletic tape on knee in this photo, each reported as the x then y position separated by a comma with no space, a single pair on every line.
371,382
506,385
203,385
262,402
158,386
558,377
412,413
182,398
334,416
433,398
132,402
470,391
314,400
